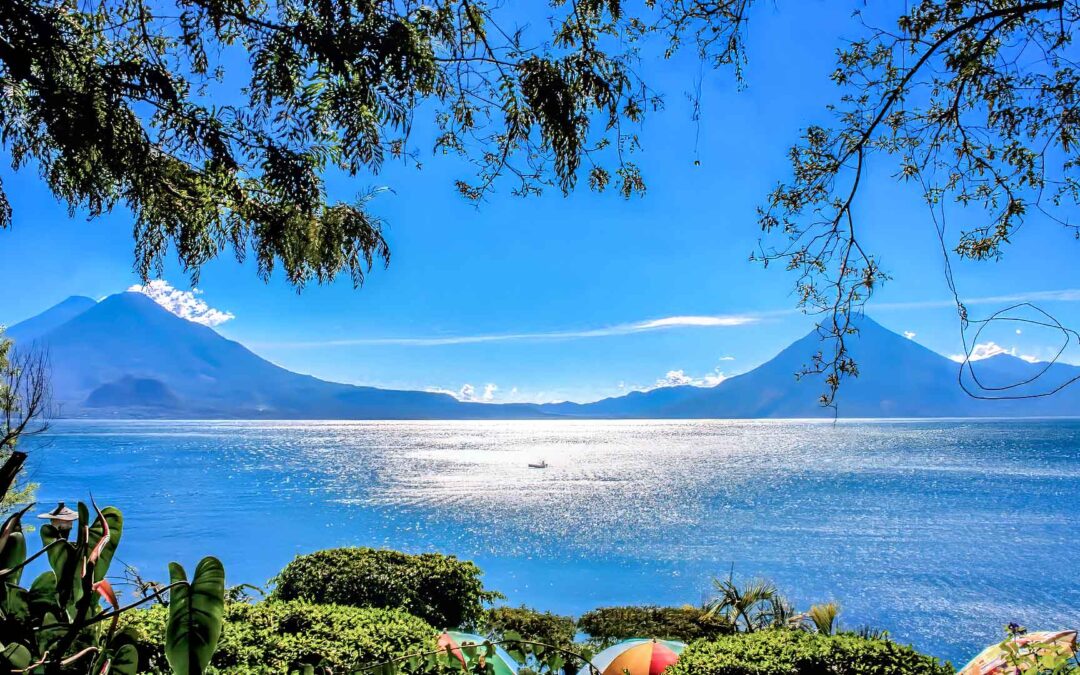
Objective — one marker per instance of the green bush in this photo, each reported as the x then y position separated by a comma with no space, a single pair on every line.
608,625
792,652
531,624
282,636
442,590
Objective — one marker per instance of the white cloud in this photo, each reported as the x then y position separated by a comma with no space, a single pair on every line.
984,350
184,304
727,358
665,323
679,378
909,334
468,393
1029,358
674,378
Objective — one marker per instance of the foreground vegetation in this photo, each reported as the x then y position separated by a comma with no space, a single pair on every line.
378,611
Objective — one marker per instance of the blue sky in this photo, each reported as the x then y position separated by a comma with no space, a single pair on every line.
580,297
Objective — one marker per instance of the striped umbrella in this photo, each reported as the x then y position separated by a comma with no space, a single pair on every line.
639,657
500,661
993,659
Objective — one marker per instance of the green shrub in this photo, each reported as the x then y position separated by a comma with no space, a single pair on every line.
442,590
608,625
531,624
282,636
792,652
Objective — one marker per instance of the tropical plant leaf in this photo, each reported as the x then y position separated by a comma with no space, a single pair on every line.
125,660
43,594
64,563
12,554
102,550
15,656
15,604
196,614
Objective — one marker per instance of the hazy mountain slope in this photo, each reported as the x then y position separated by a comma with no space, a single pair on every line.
127,339
634,404
36,326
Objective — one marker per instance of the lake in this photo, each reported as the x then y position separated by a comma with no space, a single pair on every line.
939,531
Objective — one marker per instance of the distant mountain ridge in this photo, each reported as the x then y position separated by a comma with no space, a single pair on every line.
898,378
127,356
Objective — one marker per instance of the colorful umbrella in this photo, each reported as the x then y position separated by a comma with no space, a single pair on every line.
639,657
993,658
500,661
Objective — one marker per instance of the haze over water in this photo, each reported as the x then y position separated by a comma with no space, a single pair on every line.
939,531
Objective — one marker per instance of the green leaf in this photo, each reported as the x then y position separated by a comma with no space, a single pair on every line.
516,654
83,524
116,528
196,614
64,562
15,656
15,604
51,630
12,555
43,594
125,660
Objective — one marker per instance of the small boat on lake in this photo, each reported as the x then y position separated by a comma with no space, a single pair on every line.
542,464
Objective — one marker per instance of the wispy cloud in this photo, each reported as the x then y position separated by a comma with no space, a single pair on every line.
665,323
184,304
649,325
1060,295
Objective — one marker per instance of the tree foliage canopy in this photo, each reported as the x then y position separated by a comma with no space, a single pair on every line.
976,101
127,102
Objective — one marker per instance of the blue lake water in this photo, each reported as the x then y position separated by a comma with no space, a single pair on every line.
939,531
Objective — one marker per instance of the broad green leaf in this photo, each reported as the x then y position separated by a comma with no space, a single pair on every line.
15,604
196,614
12,555
83,525
43,594
115,521
125,660
15,656
51,630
